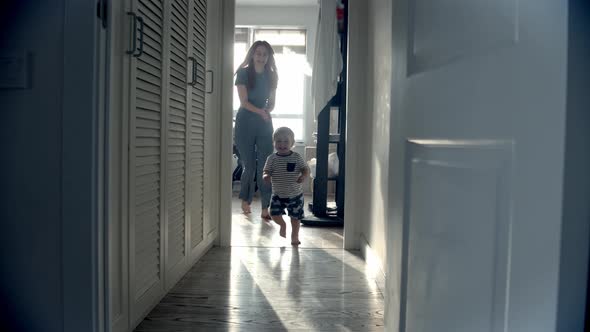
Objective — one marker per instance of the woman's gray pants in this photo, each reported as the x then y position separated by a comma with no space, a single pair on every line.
253,137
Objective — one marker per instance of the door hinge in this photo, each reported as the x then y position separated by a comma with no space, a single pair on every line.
101,12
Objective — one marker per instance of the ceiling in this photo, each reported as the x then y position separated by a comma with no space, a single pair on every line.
274,3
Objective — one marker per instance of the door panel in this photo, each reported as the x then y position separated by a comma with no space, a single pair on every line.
164,80
166,152
176,208
447,240
478,112
212,118
146,172
197,119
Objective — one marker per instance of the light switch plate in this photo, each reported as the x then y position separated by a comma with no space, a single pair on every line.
14,70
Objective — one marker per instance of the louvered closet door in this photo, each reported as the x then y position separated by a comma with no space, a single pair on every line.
197,121
146,171
177,126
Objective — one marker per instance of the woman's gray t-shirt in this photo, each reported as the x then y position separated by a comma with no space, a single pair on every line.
258,95
250,123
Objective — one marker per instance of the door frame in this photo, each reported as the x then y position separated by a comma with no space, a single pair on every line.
83,225
225,137
354,130
116,265
574,272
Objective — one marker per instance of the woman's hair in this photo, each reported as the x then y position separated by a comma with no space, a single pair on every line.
284,132
270,66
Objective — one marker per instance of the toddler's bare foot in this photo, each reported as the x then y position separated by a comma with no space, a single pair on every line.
246,207
283,230
295,242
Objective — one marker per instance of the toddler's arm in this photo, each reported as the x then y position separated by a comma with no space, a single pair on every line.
267,170
266,176
304,174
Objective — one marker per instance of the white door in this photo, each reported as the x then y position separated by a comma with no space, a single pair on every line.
196,146
212,119
166,150
478,115
147,166
176,208
185,136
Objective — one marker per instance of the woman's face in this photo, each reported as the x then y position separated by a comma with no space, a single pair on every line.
260,55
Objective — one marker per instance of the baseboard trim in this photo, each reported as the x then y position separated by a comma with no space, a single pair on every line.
374,263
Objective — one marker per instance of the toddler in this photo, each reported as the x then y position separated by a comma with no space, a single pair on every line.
286,170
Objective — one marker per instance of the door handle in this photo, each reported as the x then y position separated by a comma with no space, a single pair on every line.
133,33
140,51
135,51
212,81
193,80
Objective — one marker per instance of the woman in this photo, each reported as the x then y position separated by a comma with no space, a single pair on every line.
256,81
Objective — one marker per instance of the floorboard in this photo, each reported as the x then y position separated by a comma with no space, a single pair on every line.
262,283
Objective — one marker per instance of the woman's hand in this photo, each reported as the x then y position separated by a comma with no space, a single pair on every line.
243,93
264,114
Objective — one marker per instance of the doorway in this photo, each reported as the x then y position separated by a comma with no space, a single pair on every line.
291,30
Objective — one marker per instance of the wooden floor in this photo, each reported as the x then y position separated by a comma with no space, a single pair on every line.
263,283
252,231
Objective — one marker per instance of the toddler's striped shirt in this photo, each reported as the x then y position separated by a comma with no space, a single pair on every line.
284,172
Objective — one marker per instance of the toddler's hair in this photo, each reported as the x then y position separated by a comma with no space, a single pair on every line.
284,132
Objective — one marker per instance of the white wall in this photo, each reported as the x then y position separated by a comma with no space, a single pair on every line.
356,124
374,154
290,16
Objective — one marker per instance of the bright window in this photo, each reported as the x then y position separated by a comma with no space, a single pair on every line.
290,57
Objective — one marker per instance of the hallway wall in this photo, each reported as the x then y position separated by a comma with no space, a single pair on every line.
31,144
375,166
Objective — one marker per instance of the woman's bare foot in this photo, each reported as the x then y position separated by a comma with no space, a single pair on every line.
246,207
265,215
